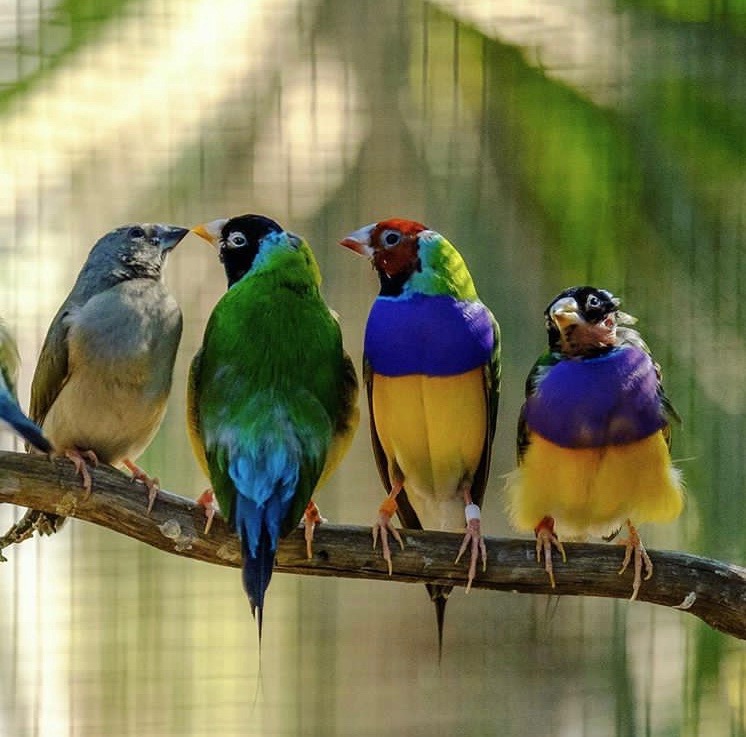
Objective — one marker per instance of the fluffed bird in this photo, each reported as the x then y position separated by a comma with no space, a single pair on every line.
100,387
432,372
272,396
593,434
10,411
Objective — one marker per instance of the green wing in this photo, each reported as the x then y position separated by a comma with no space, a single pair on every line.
537,373
347,420
291,372
336,408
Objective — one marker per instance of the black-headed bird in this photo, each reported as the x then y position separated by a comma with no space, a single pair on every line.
272,396
593,434
432,372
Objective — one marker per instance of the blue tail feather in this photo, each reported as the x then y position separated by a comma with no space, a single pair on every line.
257,572
265,479
258,528
11,413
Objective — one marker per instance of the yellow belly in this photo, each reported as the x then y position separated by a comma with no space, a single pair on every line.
432,429
591,491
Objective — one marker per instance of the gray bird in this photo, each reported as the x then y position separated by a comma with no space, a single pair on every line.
10,411
104,374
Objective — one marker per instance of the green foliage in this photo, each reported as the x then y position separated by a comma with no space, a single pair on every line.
700,128
570,161
69,26
730,14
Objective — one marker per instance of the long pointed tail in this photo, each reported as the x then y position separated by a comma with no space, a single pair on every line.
439,596
257,572
11,413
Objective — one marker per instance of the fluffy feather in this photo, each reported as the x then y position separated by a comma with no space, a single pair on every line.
593,434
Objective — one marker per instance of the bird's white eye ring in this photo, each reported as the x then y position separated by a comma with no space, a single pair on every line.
236,240
593,302
390,238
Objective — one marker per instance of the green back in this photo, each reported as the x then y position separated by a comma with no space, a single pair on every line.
271,341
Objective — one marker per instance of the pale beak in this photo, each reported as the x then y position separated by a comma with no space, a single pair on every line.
359,241
565,312
210,231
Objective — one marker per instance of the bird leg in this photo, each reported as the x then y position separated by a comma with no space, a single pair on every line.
473,536
78,458
634,547
311,518
207,501
383,524
546,539
152,484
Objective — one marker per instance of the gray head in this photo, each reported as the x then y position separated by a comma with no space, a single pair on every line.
134,251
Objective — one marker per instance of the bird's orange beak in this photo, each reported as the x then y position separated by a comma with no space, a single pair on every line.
359,240
210,231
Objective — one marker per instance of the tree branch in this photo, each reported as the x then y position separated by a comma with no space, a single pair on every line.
713,591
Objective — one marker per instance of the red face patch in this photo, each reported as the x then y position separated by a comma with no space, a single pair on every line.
397,259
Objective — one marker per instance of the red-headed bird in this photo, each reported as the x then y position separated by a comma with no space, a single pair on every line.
432,372
593,434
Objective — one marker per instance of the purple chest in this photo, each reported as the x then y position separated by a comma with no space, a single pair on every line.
610,400
436,336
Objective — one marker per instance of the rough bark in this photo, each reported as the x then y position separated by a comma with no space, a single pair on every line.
711,590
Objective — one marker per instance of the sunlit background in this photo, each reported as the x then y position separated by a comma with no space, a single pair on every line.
555,142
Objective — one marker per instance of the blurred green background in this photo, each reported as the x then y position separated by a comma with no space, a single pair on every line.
554,142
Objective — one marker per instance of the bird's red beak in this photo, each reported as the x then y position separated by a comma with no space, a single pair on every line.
359,240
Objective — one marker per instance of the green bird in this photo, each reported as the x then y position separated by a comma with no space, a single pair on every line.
103,378
10,412
272,396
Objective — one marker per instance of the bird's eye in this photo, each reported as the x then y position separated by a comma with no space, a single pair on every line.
390,237
137,232
237,240
593,302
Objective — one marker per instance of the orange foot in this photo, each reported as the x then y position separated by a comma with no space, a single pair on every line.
634,547
311,518
546,539
79,458
207,500
383,526
152,484
473,539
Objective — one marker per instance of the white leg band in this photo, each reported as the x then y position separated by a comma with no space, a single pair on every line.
471,511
